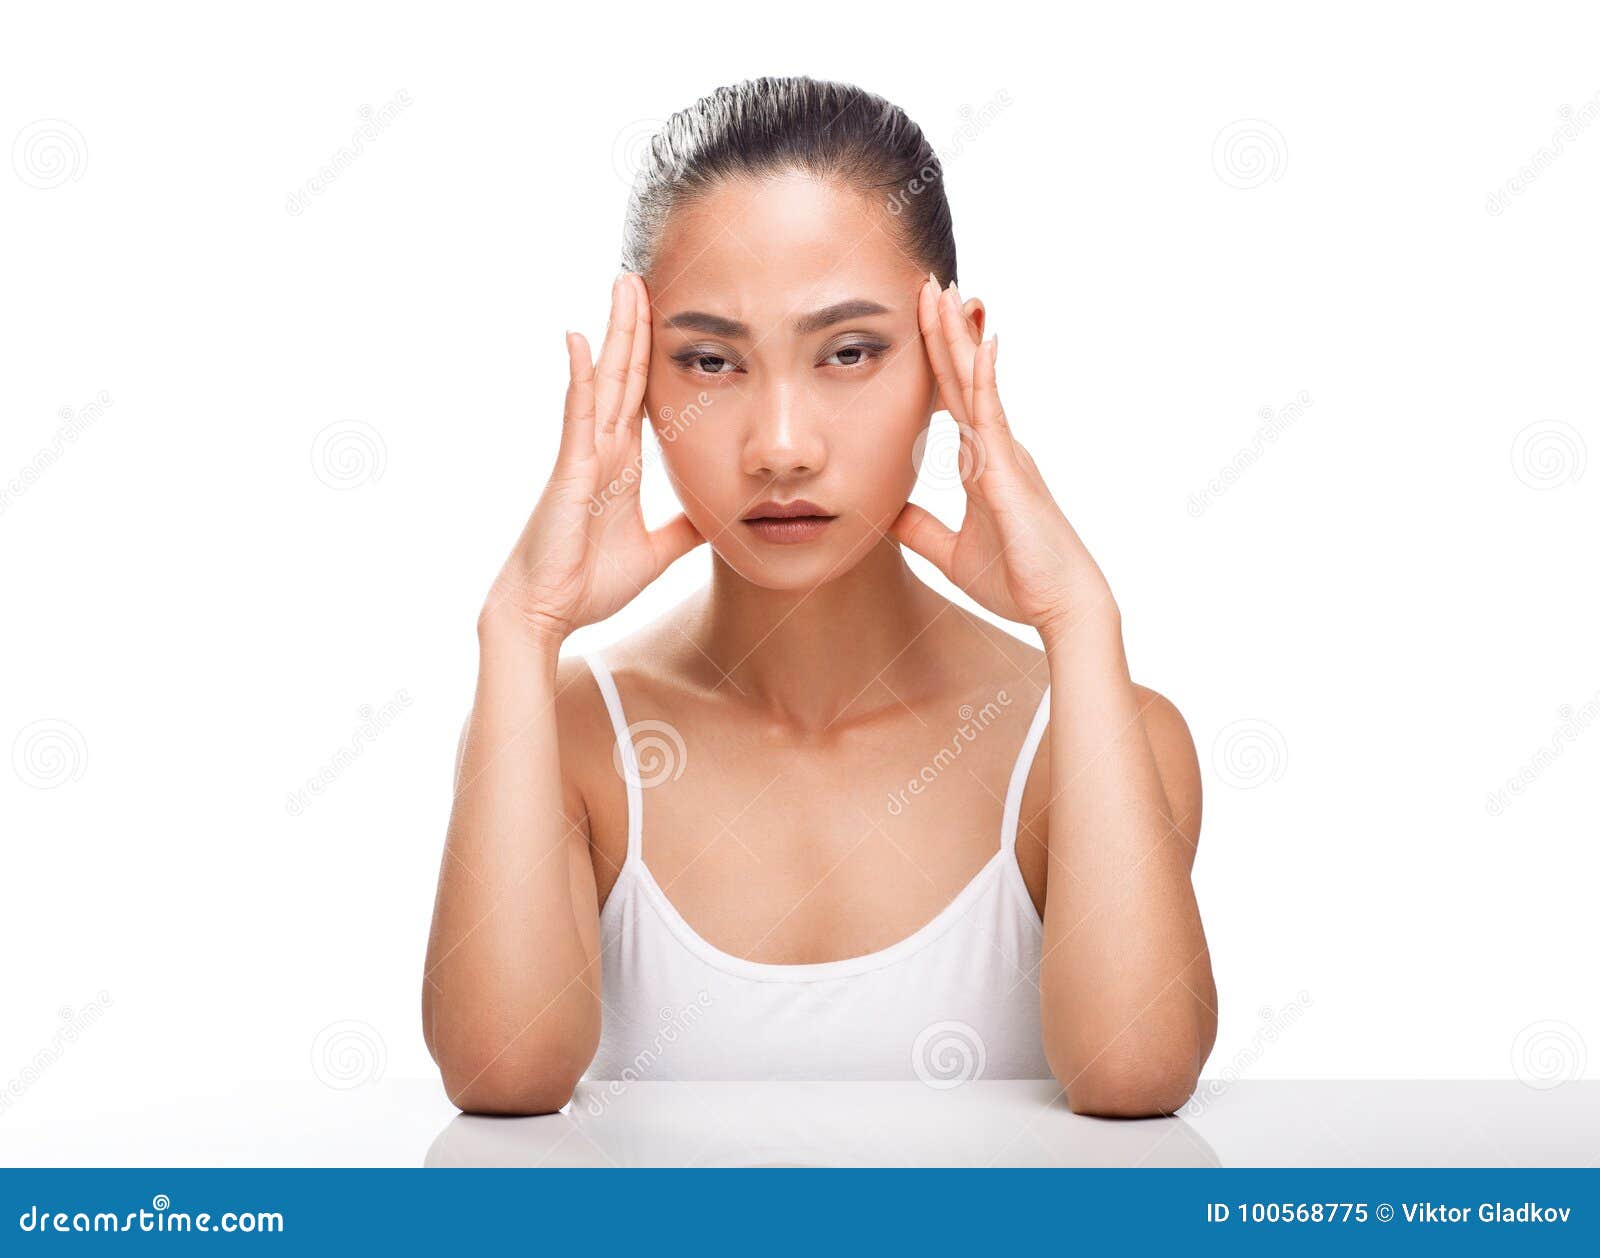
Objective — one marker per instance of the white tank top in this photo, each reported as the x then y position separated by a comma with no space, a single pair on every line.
956,1000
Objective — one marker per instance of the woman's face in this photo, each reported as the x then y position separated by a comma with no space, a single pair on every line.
786,363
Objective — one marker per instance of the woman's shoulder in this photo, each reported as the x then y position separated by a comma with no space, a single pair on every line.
1001,661
645,673
1172,747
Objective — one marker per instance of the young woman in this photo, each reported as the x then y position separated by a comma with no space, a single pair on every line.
816,821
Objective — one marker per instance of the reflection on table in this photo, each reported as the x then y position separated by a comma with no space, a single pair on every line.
1026,1123
410,1122
981,1123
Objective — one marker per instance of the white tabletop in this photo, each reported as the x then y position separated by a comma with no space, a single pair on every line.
980,1123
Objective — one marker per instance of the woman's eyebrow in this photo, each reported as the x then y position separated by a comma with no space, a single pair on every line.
855,308
717,325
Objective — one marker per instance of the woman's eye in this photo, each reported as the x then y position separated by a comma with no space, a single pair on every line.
852,355
707,364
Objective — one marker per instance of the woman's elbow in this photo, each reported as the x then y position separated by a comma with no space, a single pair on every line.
489,1068
1130,1095
483,1075
509,1090
1127,1086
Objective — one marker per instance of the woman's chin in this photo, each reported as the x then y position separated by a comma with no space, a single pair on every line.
793,567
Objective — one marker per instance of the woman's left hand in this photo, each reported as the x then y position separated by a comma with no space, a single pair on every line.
1015,552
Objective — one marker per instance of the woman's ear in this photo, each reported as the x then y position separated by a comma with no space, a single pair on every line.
975,313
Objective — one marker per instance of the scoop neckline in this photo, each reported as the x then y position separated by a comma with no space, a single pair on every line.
812,971
776,971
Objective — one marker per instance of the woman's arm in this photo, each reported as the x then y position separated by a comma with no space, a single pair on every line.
1127,1002
510,1003
1127,999
511,989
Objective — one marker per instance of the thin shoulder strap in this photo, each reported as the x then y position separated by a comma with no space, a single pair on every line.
1019,773
630,761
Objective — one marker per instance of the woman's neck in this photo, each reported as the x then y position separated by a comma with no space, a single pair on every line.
873,634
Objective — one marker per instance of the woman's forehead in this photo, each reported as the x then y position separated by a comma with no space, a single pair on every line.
783,243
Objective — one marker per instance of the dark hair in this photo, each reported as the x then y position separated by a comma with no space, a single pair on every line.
768,125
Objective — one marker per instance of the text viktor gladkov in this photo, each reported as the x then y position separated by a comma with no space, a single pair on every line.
1487,1212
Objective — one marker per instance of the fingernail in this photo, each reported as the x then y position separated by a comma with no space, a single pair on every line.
994,350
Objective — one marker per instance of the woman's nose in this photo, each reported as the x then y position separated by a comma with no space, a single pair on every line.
785,434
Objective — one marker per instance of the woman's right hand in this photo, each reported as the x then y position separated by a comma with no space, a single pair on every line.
585,552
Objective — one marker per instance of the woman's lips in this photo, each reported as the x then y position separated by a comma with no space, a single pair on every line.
787,532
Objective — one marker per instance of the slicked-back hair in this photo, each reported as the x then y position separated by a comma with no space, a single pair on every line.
767,126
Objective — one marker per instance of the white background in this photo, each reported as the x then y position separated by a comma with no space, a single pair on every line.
1396,599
